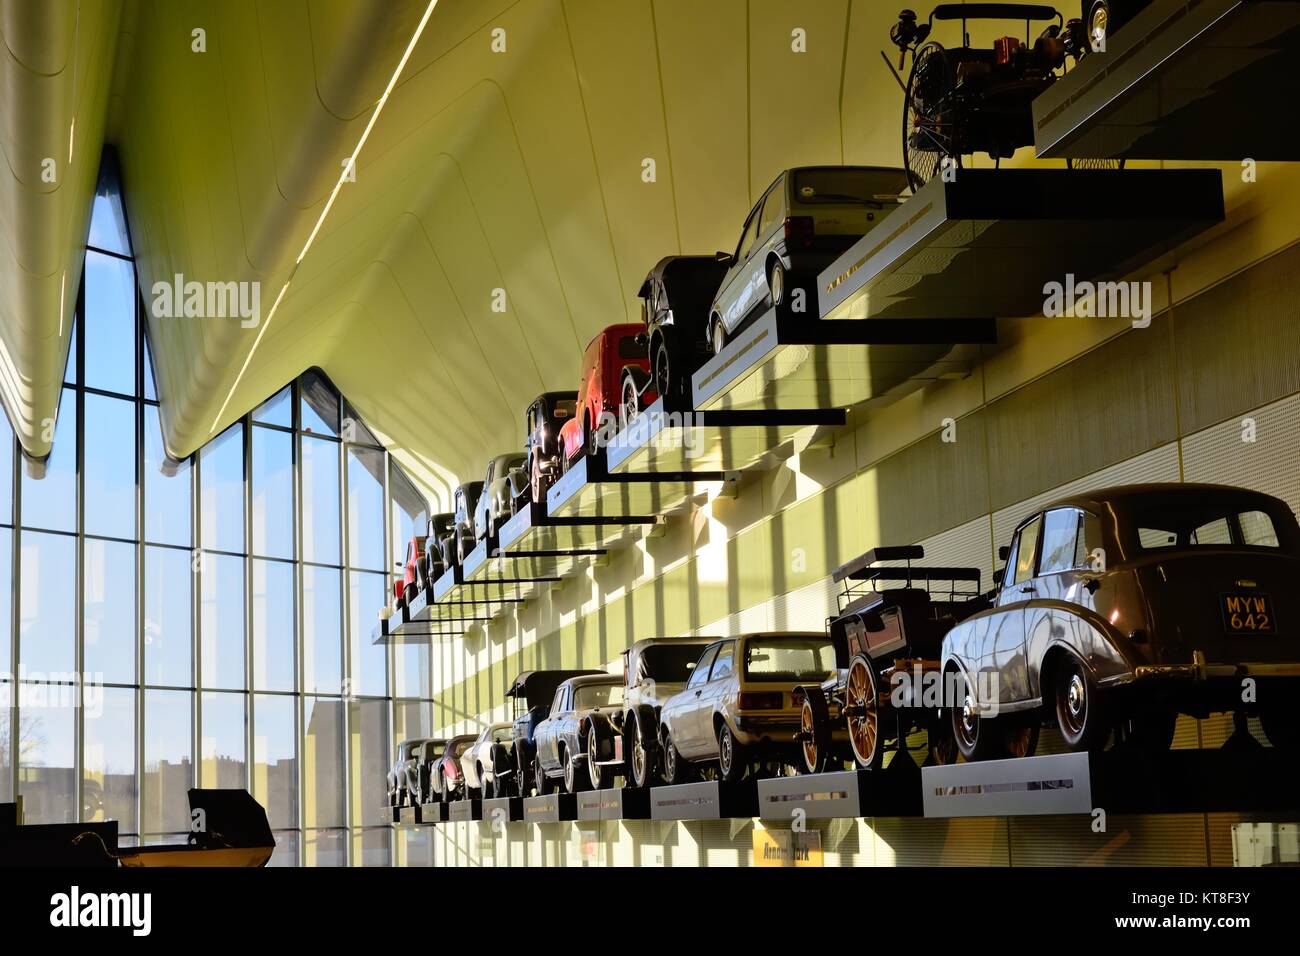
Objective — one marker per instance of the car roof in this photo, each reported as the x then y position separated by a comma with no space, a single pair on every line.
538,687
1123,497
601,677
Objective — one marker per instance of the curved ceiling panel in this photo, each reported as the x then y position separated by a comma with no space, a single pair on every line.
55,68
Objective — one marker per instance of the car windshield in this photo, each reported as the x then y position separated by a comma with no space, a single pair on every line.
668,662
586,696
789,659
1203,525
873,186
692,289
460,747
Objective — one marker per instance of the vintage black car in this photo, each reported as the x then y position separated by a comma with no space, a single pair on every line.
403,774
1123,607
531,695
543,419
560,741
962,99
675,301
460,540
439,528
888,635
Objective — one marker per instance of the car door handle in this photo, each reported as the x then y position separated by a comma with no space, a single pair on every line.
1028,589
698,693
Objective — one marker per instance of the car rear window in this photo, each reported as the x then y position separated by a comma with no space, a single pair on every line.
564,409
629,349
873,186
597,695
789,659
1204,526
669,662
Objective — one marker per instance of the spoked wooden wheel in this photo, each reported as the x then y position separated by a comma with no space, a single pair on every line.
862,712
926,139
814,731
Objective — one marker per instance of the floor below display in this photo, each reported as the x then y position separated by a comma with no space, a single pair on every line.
1126,840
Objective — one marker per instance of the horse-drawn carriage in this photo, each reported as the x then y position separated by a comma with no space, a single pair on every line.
887,685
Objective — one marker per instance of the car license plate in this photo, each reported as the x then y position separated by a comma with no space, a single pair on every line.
1248,614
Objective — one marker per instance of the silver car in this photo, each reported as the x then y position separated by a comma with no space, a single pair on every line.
476,762
495,504
800,225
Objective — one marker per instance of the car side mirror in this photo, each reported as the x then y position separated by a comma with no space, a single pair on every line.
998,575
1004,552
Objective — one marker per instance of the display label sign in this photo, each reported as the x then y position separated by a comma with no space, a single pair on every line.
787,848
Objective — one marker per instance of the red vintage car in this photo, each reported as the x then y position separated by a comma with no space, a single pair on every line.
411,574
599,399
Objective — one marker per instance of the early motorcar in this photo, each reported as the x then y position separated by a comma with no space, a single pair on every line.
531,694
962,99
1122,607
627,743
446,779
560,740
738,710
801,224
440,527
548,413
887,637
496,502
1102,18
477,761
599,411
460,540
675,300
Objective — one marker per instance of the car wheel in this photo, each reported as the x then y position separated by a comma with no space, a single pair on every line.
663,370
483,791
1280,727
814,730
674,763
776,283
590,440
535,480
1019,735
543,782
1098,25
939,739
975,736
640,754
1079,710
573,779
1151,732
631,405
731,755
718,336
600,777
862,714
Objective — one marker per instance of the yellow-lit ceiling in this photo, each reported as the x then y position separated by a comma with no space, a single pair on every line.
511,155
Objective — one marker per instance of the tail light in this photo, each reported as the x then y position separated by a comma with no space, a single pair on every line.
768,700
800,231
1004,48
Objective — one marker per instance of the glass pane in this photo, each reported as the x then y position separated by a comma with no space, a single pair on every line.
6,601
47,623
366,509
109,473
322,630
276,410
371,847
108,759
6,471
222,623
326,848
51,501
107,219
371,754
410,512
286,848
411,718
319,407
70,371
221,723
168,593
275,764
167,775
7,697
167,488
320,501
354,429
221,496
411,670
369,661
109,619
273,597
150,386
47,720
322,759
272,493
110,324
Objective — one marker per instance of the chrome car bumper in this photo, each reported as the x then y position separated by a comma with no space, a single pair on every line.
1200,669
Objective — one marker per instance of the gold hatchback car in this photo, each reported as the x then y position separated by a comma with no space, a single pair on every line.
738,707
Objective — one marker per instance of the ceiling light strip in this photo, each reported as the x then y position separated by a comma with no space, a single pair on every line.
329,203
